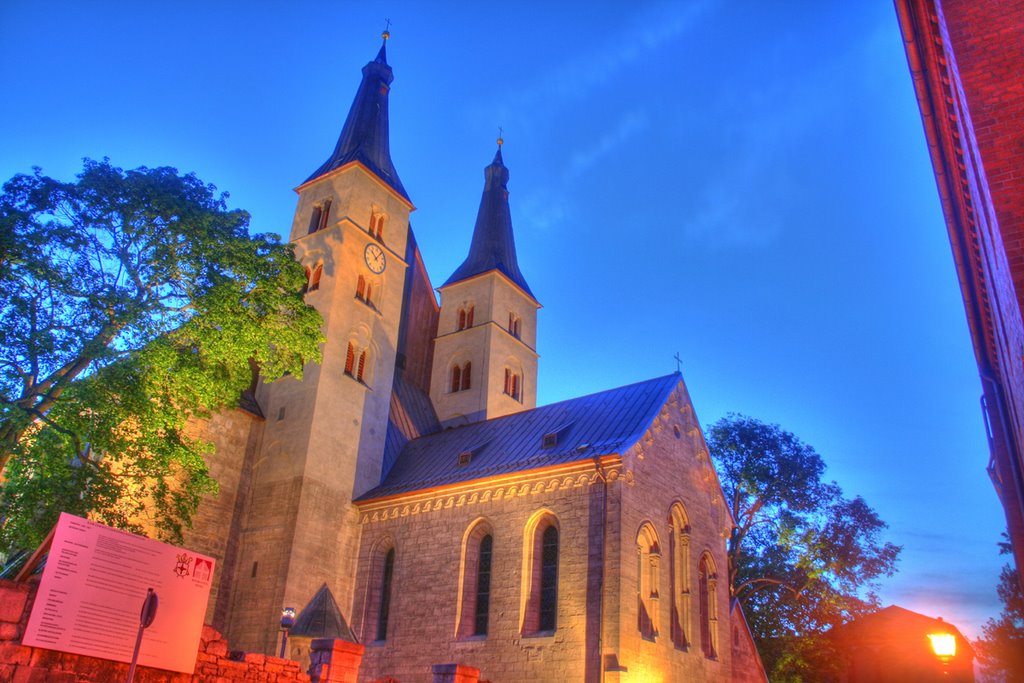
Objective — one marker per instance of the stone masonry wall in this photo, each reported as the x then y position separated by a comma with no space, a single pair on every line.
427,533
22,664
670,465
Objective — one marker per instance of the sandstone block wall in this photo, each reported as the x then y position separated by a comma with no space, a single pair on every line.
671,465
427,533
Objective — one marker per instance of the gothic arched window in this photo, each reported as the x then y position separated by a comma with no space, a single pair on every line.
314,278
679,555
456,378
466,373
648,571
540,597
708,607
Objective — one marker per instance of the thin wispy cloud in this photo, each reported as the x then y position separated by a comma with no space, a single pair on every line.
584,159
583,73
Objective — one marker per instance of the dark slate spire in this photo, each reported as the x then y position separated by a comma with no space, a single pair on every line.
321,618
493,246
364,137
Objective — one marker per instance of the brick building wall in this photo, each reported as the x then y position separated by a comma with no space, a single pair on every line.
965,59
987,38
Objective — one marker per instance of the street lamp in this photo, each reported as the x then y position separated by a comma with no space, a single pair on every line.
287,621
944,647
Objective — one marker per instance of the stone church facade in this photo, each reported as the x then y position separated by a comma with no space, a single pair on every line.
412,473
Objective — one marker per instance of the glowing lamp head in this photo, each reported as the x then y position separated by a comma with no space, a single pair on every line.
943,644
287,618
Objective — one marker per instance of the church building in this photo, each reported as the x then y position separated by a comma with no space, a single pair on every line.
412,474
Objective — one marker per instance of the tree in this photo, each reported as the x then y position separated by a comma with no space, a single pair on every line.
1001,649
130,302
802,557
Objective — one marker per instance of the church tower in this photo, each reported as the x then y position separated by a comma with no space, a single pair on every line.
485,363
323,440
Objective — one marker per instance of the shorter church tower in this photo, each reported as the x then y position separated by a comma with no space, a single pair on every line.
485,362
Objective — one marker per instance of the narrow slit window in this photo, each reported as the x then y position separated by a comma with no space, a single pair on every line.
483,586
350,359
314,220
466,371
314,280
361,288
547,616
384,610
362,365
325,214
456,378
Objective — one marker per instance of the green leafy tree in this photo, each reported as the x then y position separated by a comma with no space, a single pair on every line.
130,302
803,557
1001,648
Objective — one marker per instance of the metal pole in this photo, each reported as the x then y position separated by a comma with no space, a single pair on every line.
146,616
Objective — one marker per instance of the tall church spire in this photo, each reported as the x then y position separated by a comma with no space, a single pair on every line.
493,246
364,137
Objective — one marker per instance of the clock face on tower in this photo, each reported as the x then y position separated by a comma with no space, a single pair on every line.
375,260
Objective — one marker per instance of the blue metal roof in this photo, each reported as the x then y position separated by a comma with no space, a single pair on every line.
587,427
364,137
493,246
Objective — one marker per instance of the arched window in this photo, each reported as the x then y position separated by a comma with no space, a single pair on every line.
456,378
380,587
708,607
513,384
540,608
356,362
466,373
475,580
514,325
361,368
321,215
377,225
314,220
469,316
361,288
350,359
680,571
462,319
314,278
648,570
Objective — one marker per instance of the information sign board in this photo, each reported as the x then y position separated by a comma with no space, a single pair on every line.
93,587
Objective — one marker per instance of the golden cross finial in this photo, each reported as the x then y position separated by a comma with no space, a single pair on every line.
387,29
501,141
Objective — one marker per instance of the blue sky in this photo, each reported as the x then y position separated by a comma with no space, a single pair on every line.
743,183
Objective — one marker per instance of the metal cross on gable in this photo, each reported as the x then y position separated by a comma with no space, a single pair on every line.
387,25
679,362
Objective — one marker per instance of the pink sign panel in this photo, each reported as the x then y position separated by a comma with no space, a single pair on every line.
93,587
